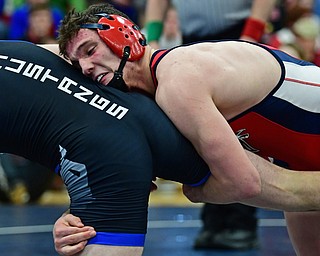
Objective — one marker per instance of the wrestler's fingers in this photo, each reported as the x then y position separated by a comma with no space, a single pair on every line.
64,231
74,241
72,220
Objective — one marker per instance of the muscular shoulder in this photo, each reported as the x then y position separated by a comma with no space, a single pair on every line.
192,70
184,66
219,70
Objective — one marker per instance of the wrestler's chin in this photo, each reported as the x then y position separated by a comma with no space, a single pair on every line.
106,79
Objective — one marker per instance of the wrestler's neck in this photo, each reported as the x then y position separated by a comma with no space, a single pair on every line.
138,74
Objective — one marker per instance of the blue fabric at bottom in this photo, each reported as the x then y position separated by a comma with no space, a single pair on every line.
118,239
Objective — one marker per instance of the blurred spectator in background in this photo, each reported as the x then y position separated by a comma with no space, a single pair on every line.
20,19
300,34
171,35
316,7
22,181
307,31
295,9
128,7
231,226
3,21
301,39
66,5
211,20
63,5
41,29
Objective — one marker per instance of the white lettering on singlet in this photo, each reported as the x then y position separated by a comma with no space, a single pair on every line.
116,110
3,58
16,68
81,95
99,102
65,84
33,71
48,76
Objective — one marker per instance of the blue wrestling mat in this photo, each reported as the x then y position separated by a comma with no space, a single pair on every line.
27,230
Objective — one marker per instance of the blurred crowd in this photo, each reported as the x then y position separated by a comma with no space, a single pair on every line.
37,21
299,30
293,26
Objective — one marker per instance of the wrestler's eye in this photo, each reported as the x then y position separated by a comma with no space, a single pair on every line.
90,51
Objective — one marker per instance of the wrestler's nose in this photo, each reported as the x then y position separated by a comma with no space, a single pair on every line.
86,66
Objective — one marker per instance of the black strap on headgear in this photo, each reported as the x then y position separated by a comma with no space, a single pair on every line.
117,80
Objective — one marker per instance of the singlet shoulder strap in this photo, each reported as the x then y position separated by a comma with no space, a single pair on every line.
155,59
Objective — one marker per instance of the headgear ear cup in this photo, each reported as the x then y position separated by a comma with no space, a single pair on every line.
118,32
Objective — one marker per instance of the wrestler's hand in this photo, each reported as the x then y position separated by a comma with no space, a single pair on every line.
212,192
194,194
200,194
154,186
70,235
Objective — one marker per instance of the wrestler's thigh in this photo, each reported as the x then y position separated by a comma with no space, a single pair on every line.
102,250
109,187
304,232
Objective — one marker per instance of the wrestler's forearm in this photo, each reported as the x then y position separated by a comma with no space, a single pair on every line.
261,9
285,189
281,189
156,9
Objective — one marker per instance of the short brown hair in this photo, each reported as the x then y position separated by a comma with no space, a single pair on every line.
71,24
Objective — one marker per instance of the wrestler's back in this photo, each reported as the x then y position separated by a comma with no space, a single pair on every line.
44,107
237,74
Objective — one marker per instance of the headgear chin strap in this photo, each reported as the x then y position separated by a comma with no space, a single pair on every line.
118,32
117,80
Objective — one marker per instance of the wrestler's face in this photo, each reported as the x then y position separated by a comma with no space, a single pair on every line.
92,56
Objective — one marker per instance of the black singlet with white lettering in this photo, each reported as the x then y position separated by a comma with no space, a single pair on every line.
106,145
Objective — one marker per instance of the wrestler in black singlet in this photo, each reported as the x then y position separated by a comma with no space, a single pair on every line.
106,145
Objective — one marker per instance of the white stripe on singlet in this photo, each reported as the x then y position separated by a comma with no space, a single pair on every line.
301,86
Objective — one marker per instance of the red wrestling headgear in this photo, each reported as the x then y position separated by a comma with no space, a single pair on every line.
118,32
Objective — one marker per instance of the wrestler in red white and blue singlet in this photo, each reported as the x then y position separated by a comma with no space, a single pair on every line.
285,126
